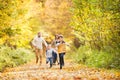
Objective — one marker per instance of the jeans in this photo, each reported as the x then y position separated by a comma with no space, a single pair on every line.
54,57
50,60
61,59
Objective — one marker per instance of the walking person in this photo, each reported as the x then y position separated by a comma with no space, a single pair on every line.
55,41
55,55
38,42
61,50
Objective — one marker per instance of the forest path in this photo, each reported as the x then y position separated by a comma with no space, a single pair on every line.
71,71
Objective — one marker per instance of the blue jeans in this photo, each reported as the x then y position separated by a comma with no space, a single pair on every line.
54,57
50,60
61,59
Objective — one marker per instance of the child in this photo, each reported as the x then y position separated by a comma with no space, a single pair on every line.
49,55
61,50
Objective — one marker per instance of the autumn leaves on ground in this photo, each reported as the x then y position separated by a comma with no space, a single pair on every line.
71,71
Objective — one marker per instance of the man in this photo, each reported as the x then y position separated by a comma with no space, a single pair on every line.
38,42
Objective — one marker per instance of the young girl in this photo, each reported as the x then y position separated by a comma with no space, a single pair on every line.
61,50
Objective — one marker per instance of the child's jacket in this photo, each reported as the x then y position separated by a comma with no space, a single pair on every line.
61,48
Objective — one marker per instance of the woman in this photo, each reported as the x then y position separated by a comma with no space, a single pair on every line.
54,43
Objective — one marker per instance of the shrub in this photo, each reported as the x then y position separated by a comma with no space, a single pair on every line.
12,58
79,55
102,59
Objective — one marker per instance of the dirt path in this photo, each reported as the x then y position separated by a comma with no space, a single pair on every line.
71,71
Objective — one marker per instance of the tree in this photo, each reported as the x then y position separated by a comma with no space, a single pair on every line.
96,22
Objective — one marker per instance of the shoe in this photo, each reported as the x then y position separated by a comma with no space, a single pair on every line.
60,67
46,62
50,65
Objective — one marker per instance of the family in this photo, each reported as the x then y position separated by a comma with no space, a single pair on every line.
54,49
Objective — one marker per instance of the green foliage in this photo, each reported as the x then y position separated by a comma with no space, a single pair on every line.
81,54
12,58
100,59
96,58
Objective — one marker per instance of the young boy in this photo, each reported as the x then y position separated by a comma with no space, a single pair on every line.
49,55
